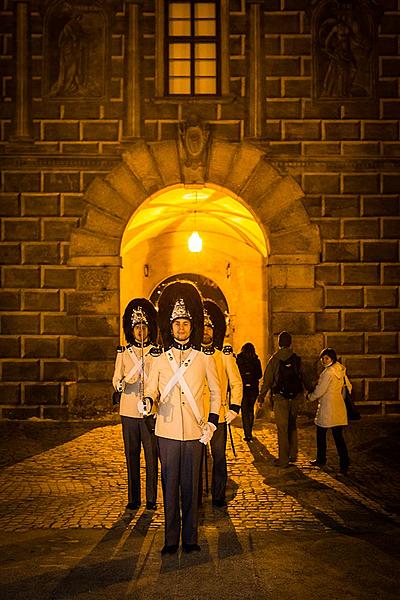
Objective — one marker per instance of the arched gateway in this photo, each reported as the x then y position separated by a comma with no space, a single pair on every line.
289,296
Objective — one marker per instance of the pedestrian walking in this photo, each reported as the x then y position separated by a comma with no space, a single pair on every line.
178,377
250,370
331,411
283,378
231,395
132,365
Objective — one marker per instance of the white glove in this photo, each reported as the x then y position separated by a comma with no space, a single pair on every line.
120,386
230,415
144,406
208,431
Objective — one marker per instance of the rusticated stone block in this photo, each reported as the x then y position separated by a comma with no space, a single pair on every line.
59,277
383,390
304,240
361,321
282,67
21,229
327,274
47,393
19,412
361,228
298,324
345,343
378,130
390,183
279,109
9,205
21,277
41,347
61,131
40,205
10,254
89,349
166,157
15,324
380,251
299,44
341,206
391,228
58,181
10,347
286,299
245,161
308,346
58,230
346,130
382,343
391,320
98,279
86,243
383,296
41,300
59,370
302,130
42,254
341,251
299,87
100,222
143,166
22,182
221,156
361,183
314,183
357,149
59,325
89,399
392,366
22,370
102,326
10,300
363,366
100,303
57,413
361,274
391,274
294,276
261,179
329,228
10,393
284,23
344,296
100,131
73,205
96,370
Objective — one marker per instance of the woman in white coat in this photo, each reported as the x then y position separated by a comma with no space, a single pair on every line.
331,411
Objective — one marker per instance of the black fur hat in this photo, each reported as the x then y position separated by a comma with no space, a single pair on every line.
218,321
132,317
180,299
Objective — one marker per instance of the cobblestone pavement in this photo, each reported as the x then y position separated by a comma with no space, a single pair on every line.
82,484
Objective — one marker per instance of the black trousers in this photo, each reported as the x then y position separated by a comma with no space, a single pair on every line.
219,475
135,433
248,401
341,447
180,471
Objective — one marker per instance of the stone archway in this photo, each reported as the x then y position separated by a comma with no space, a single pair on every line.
241,168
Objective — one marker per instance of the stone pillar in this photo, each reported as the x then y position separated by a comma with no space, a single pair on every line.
133,112
22,118
255,94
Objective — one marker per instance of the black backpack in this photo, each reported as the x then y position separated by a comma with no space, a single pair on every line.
289,382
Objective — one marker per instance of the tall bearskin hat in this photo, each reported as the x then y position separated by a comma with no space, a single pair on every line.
218,322
180,299
140,310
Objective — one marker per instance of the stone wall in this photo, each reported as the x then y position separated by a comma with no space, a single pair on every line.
343,153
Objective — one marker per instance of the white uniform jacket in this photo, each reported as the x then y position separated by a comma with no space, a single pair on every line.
331,410
228,373
125,361
175,418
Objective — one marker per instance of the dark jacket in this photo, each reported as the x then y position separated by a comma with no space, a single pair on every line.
250,371
271,371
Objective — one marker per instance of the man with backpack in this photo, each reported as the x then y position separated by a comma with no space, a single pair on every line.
283,378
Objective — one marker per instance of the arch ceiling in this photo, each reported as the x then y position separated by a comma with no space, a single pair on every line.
184,209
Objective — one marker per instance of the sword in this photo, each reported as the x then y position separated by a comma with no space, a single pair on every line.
206,468
231,438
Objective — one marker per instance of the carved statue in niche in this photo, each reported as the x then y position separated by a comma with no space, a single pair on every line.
344,57
75,50
194,137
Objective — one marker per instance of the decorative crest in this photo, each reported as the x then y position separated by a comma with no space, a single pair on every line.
138,316
180,311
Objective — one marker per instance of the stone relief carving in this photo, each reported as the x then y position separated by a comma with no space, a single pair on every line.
75,50
194,136
344,35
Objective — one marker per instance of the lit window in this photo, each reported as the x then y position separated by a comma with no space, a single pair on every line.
192,48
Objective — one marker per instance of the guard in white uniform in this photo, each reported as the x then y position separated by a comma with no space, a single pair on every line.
131,368
231,394
182,424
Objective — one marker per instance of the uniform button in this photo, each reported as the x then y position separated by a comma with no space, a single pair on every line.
183,404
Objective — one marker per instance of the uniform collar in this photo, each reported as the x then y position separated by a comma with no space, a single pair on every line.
209,349
180,346
139,344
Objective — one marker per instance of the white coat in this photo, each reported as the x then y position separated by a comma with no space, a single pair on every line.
228,373
132,392
331,410
175,418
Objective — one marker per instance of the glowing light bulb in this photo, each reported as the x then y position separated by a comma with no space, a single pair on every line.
195,243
